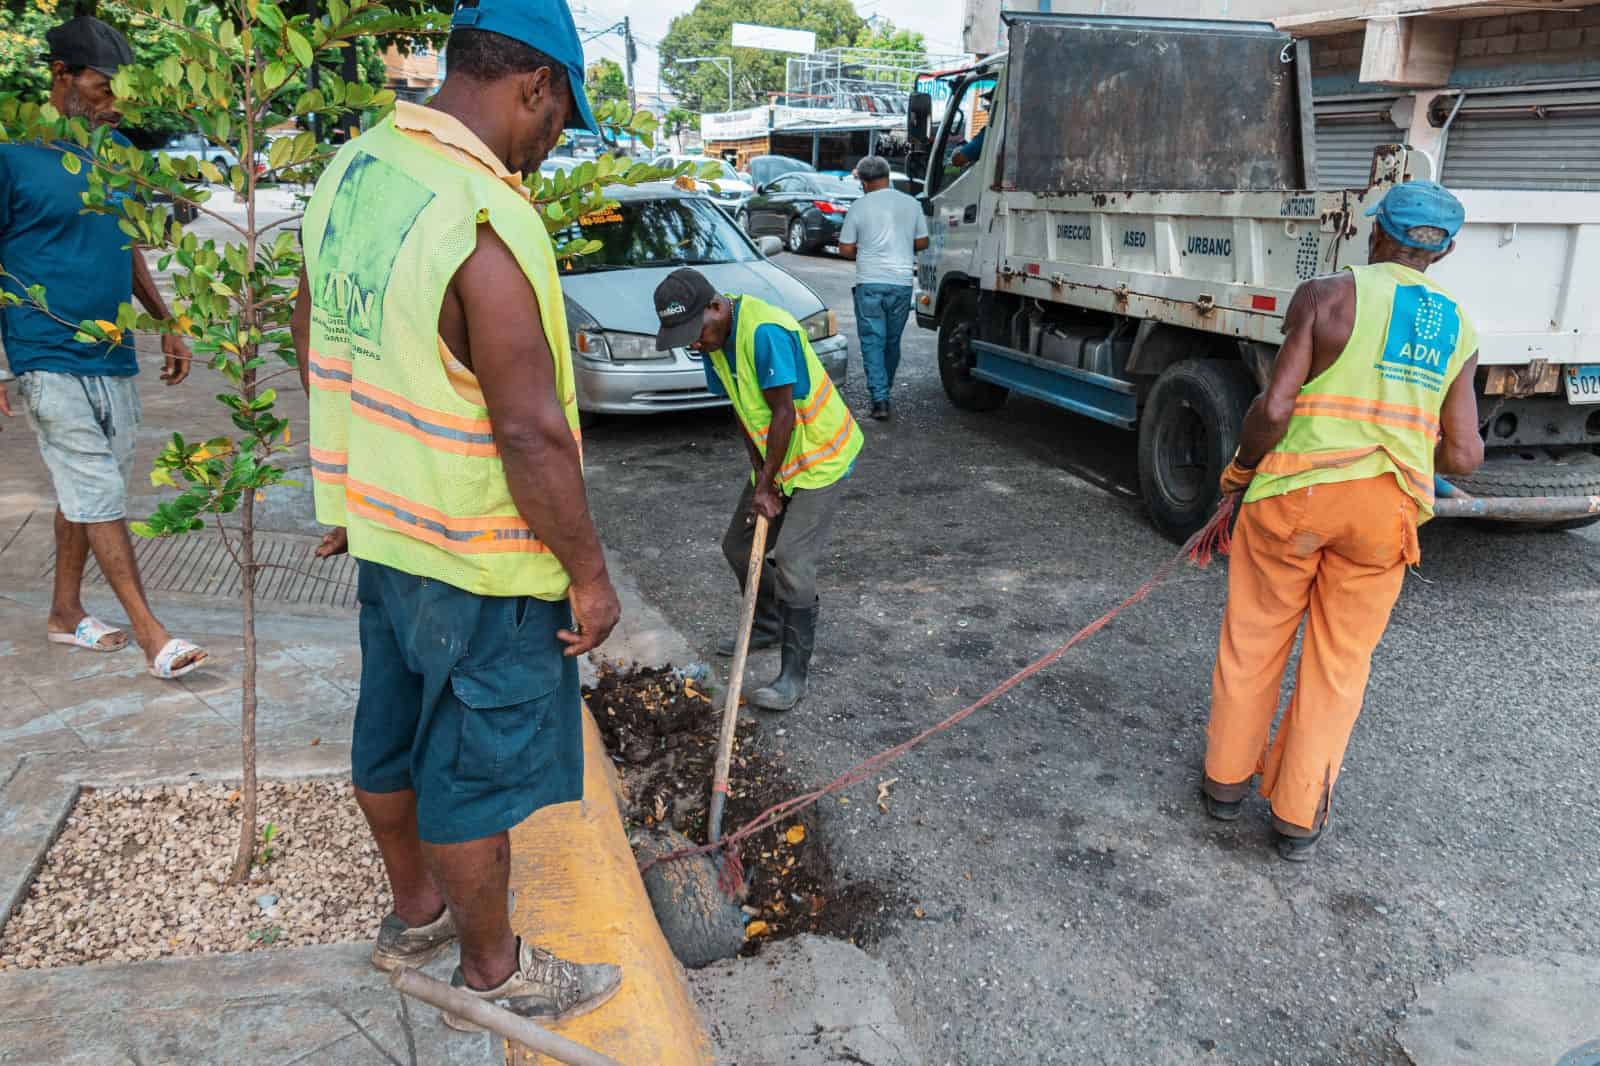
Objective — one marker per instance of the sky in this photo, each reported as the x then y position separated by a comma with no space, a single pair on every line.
939,21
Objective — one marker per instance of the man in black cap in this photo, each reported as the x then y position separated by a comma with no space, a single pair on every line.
801,441
81,398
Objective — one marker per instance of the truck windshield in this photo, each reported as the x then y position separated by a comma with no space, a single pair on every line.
676,231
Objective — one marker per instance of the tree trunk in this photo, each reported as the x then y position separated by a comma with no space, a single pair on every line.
247,694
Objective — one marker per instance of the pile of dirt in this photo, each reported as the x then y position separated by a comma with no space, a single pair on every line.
141,873
661,731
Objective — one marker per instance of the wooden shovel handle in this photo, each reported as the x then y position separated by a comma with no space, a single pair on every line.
730,707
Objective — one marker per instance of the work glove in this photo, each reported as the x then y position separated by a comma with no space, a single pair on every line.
1236,478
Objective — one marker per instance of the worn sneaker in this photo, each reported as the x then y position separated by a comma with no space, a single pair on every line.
544,987
410,946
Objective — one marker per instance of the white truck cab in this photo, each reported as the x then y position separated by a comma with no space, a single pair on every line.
1141,208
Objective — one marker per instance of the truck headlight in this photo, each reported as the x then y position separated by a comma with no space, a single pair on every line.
820,325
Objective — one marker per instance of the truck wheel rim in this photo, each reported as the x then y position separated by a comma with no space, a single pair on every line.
1181,460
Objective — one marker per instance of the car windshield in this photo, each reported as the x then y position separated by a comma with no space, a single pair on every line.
656,233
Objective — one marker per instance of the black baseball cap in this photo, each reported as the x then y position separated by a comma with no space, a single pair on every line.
681,299
87,42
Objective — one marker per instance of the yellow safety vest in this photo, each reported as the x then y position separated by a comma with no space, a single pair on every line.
1376,410
826,439
399,458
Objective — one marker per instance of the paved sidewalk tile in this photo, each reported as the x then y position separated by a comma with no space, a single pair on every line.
318,1006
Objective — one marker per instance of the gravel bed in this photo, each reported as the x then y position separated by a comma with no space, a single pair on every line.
140,873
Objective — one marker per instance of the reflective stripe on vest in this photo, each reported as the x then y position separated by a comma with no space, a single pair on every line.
465,535
1375,411
399,457
826,439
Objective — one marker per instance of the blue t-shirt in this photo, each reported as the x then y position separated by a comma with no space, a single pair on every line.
972,151
779,360
82,260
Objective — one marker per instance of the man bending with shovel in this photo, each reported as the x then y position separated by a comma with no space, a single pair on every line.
801,440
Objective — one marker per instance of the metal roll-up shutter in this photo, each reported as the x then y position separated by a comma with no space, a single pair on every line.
1527,140
1347,132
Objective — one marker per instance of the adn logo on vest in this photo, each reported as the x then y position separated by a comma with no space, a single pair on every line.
1423,330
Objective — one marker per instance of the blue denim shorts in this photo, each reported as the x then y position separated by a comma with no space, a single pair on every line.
467,701
87,428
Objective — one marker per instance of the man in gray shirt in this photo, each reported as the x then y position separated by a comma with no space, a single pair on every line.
883,233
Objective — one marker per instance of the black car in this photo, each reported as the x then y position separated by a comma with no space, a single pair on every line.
765,169
806,210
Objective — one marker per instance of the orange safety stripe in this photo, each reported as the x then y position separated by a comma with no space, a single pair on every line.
329,467
810,412
1359,410
473,535
329,373
1295,463
806,461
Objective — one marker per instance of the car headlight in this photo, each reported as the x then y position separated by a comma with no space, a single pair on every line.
820,325
619,347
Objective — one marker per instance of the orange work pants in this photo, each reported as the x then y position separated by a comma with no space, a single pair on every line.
1335,556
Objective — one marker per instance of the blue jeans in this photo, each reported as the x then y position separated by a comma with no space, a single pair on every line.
881,313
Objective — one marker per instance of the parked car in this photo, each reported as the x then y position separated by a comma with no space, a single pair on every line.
654,229
764,169
194,144
727,190
185,145
806,210
554,163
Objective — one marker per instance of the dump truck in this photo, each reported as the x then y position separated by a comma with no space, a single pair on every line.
1122,237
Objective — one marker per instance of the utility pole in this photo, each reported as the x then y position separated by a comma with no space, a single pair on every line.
628,54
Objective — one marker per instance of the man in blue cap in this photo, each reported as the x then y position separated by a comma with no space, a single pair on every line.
433,342
1371,394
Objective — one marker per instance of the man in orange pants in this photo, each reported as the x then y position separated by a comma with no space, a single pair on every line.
1372,392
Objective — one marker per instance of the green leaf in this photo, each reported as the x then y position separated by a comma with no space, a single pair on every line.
144,529
299,46
71,162
270,15
275,75
171,71
197,77
226,35
279,153
36,294
224,126
211,172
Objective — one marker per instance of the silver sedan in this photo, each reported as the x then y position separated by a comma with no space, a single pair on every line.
653,230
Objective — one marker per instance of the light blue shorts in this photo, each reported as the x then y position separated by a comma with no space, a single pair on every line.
87,428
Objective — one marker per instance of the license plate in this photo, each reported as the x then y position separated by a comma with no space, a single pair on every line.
1583,384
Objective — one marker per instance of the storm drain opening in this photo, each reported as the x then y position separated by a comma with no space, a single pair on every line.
200,564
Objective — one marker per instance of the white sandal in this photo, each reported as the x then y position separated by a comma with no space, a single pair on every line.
89,633
170,652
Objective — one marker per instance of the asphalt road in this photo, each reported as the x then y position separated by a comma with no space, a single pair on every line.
1077,905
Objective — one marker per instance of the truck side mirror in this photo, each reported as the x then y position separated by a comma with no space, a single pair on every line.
918,111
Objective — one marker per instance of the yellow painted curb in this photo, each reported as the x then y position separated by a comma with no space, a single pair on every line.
579,894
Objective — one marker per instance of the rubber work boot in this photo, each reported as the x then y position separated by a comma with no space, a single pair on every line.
544,987
799,638
768,628
410,946
1222,810
1302,849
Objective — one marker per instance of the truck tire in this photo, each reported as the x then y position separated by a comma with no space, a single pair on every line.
184,212
956,325
1187,435
1524,472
